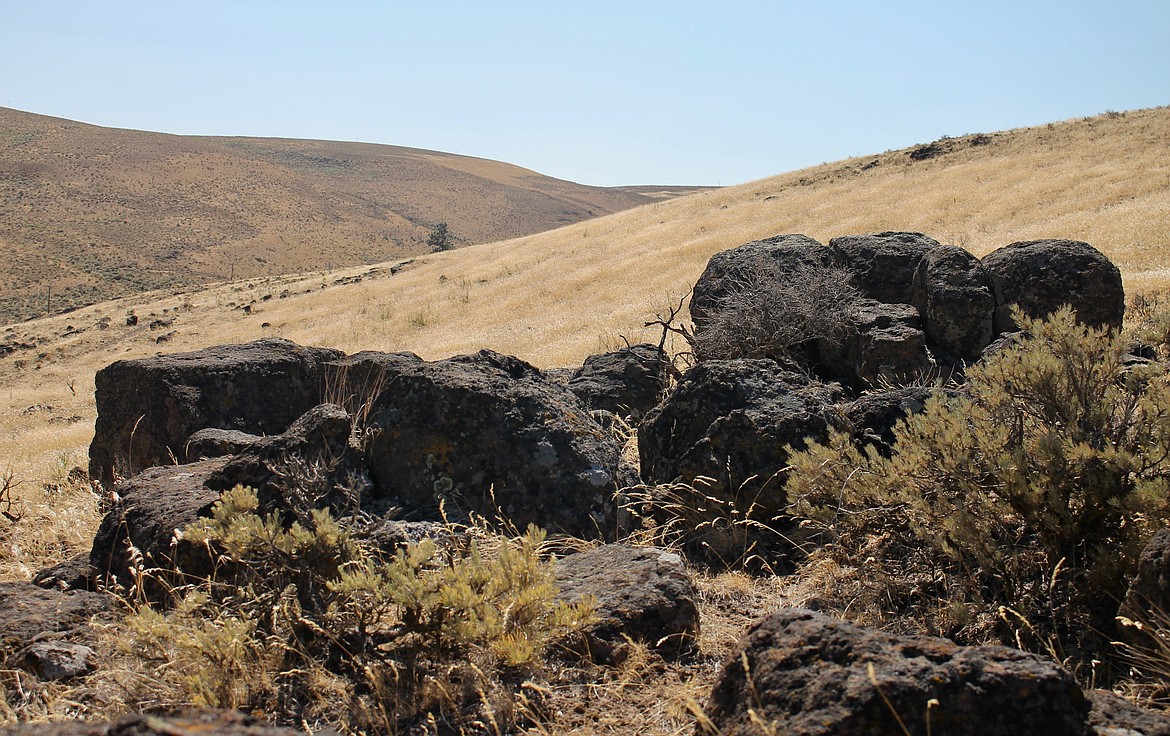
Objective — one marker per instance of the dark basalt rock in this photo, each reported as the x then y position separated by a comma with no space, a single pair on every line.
309,466
208,443
28,611
642,594
952,293
483,431
727,269
872,418
152,507
75,573
148,408
1112,715
731,421
807,674
626,382
883,264
1040,276
47,632
885,344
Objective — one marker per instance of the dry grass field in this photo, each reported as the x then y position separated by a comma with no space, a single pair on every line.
90,213
553,298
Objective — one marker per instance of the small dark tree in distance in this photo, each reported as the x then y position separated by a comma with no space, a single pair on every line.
440,238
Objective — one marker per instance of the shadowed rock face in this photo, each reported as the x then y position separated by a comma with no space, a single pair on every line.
952,293
883,342
811,675
308,466
486,430
1043,275
148,408
626,382
883,264
730,420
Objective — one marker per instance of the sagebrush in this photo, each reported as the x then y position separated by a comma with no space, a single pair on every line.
1023,501
308,624
771,311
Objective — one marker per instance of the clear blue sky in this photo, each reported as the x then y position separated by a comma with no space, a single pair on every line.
630,92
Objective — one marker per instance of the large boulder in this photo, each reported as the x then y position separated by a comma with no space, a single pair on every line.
729,269
641,594
626,382
485,432
952,293
883,264
148,408
885,344
730,422
152,506
806,674
1040,276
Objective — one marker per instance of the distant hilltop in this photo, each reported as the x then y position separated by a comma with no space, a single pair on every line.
90,213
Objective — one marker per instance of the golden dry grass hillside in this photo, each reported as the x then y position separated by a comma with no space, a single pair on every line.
555,297
90,213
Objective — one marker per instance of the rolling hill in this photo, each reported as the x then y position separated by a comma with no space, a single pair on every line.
90,213
554,297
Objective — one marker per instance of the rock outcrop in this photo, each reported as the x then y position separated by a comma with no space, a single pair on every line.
485,432
900,306
883,264
730,422
308,466
1040,276
806,674
882,343
952,293
728,270
148,408
152,507
626,382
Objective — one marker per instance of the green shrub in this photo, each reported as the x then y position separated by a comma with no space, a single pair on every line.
304,622
1031,493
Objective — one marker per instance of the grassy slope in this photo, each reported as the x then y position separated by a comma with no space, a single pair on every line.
555,297
98,212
